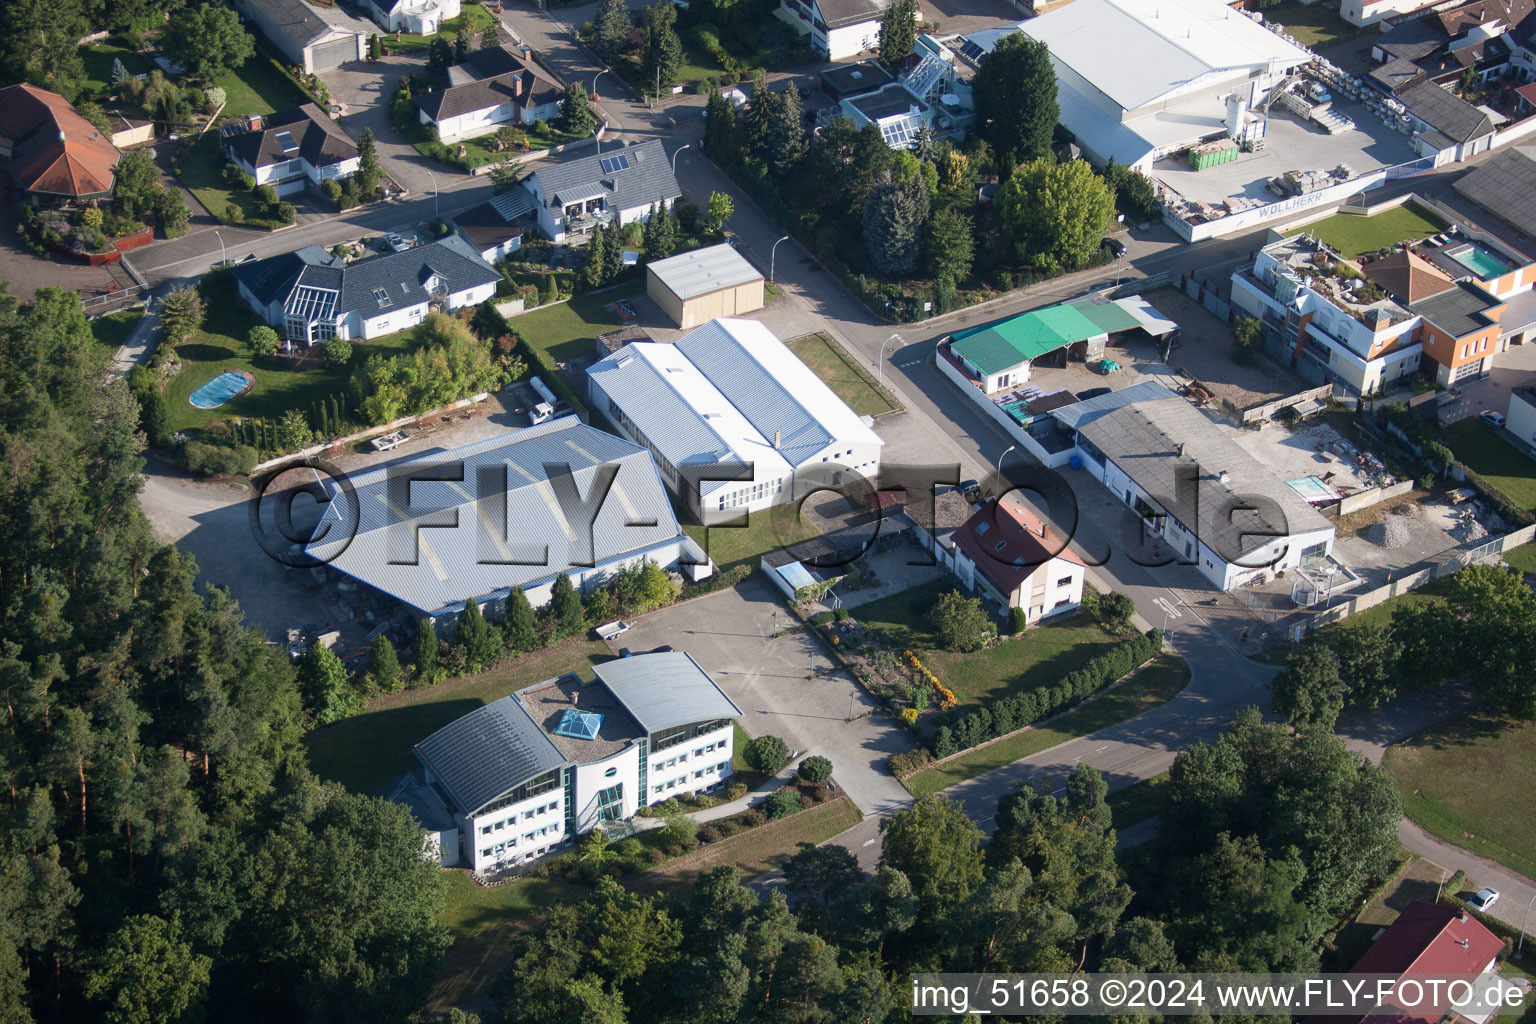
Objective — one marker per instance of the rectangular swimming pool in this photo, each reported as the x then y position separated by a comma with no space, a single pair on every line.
1479,261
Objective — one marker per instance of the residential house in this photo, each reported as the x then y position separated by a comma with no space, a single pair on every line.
1427,940
491,228
53,154
494,87
418,17
510,529
311,37
836,29
575,194
525,774
290,150
730,392
311,295
1007,552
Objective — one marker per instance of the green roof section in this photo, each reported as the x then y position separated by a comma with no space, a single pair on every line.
996,347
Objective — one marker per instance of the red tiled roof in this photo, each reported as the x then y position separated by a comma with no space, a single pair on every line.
1425,940
1407,276
1008,542
1527,92
53,148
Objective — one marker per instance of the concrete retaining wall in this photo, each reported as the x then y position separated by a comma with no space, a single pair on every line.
314,451
1268,409
1373,496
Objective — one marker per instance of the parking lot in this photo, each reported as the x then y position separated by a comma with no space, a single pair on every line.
730,634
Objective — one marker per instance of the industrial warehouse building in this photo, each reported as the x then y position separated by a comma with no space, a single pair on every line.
702,285
517,777
500,525
731,392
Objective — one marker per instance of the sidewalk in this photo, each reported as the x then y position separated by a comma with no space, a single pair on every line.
141,344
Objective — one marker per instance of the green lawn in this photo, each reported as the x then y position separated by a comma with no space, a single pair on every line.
1137,803
1155,685
1472,782
845,377
1522,557
483,923
756,535
98,59
367,750
1315,26
201,170
1041,656
569,330
1497,461
112,330
474,17
1351,236
258,87
475,152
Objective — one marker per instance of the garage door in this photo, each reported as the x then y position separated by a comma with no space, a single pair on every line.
333,54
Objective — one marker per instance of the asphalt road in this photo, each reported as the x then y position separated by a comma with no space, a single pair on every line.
1223,681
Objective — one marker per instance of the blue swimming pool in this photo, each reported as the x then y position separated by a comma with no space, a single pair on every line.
1480,261
219,390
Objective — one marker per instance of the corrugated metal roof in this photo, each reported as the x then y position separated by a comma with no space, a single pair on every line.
1106,315
704,271
995,347
1137,52
1074,416
665,690
1143,440
773,389
493,749
460,562
685,416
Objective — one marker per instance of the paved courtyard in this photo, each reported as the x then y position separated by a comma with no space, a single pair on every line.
363,88
730,634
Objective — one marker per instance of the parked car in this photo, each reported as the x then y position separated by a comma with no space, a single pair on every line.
1115,246
1318,94
396,243
1493,419
1485,899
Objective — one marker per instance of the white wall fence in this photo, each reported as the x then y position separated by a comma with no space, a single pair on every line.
997,415
362,435
1515,132
1445,564
1268,409
1350,504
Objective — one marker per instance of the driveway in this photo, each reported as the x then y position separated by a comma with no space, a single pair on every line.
364,88
729,634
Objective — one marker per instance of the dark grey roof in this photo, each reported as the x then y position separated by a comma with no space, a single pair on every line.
1505,186
469,560
1413,39
500,77
493,749
1458,311
665,690
297,23
1143,440
485,226
648,178
1446,112
1398,73
847,79
837,13
300,132
402,274
1076,415
889,101
424,803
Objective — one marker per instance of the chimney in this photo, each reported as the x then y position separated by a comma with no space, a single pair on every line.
254,121
775,439
1463,943
575,698
1461,915
1182,447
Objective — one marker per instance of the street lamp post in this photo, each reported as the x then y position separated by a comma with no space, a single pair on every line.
1523,918
1000,459
223,258
434,194
772,253
880,365
595,77
678,150
851,694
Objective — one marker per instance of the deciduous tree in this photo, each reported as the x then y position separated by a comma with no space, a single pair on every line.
149,974
181,313
209,40
960,622
938,848
1055,214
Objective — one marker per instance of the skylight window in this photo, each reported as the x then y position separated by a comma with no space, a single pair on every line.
286,143
381,296
580,725
615,163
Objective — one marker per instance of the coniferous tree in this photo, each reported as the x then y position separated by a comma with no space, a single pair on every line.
594,271
1015,92
722,137
786,142
663,50
383,665
576,115
565,607
611,28
520,627
366,178
424,653
613,254
898,32
482,645
756,126
894,216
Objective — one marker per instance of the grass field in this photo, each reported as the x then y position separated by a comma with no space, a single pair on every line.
1472,782
1137,803
845,377
1041,656
1497,461
1351,236
257,87
112,330
202,171
761,532
569,330
1316,26
221,345
1157,684
1522,557
757,851
367,750
98,59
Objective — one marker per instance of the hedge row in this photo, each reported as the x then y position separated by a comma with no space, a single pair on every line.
719,581
1511,513
1006,714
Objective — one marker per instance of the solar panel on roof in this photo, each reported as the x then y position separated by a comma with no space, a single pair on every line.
580,725
614,163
